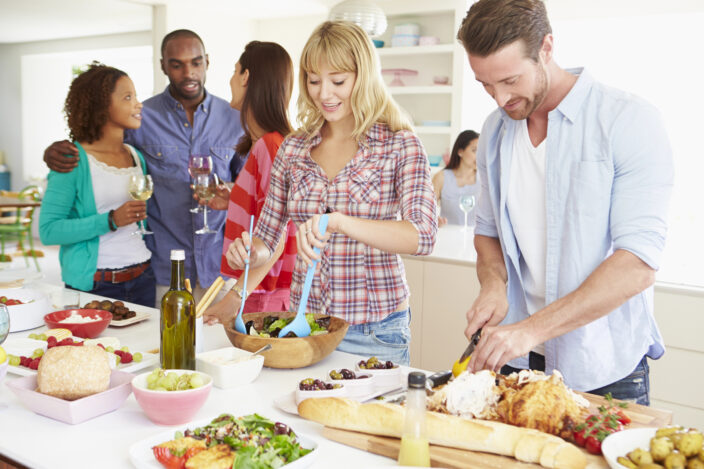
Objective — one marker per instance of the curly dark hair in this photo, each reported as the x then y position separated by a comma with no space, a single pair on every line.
88,101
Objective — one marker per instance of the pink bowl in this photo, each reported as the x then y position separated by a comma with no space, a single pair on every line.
171,407
87,330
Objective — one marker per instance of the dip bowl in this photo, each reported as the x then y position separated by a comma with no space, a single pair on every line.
86,330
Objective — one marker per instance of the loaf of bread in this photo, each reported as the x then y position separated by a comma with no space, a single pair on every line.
524,444
71,373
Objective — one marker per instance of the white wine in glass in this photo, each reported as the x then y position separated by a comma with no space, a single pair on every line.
466,205
141,187
205,185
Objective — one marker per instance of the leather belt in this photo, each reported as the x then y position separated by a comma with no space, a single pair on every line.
120,275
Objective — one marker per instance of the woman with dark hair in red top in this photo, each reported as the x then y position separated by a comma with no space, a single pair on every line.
261,90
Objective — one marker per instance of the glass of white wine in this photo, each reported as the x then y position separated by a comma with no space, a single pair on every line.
466,205
199,164
141,187
205,185
4,323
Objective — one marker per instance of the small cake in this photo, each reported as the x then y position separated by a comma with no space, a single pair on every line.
71,372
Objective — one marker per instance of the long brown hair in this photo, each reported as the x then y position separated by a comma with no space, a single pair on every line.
463,139
268,90
492,24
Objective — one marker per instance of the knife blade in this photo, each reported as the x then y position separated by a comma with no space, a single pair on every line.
437,379
472,344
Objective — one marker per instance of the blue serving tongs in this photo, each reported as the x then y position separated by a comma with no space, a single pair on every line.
299,325
239,323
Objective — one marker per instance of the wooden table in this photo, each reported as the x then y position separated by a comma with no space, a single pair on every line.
13,202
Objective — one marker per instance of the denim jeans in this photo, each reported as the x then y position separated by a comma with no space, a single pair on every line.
387,339
634,388
140,290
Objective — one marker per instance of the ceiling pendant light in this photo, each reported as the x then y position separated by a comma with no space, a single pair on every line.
364,13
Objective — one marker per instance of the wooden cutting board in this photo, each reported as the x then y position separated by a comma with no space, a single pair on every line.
441,456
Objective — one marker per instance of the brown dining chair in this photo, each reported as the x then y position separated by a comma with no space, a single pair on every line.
16,223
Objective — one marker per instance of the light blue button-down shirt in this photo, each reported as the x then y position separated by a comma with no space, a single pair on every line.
167,139
608,179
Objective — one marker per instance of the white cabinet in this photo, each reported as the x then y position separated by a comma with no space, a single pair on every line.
435,109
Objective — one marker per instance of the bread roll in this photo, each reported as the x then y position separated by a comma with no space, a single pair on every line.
70,372
447,430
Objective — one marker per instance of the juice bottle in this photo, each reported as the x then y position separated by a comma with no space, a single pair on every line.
414,443
178,320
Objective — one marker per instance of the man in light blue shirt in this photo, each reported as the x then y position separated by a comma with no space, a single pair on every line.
181,121
572,287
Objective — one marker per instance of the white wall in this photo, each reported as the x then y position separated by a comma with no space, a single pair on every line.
11,117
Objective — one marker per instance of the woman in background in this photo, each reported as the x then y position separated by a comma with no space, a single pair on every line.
355,158
89,211
261,90
458,178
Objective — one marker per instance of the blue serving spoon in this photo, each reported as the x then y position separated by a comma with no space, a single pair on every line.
299,325
239,323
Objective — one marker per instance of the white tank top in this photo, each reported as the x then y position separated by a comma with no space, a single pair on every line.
119,248
526,209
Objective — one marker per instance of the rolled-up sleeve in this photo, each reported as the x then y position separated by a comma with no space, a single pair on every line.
274,214
643,180
418,204
485,219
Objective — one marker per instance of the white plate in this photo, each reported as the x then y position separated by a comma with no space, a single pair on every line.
23,346
142,457
141,316
287,402
623,442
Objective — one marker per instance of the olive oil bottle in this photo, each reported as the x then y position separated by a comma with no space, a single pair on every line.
178,320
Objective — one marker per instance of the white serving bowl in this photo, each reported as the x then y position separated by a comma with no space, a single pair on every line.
336,392
355,387
383,377
230,366
29,315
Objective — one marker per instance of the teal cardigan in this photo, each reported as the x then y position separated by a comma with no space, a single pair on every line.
68,217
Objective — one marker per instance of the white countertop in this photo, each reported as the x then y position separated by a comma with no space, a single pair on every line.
454,245
40,442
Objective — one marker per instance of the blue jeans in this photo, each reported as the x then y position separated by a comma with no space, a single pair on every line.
635,387
387,339
140,290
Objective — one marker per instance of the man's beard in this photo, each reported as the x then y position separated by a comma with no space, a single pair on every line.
541,90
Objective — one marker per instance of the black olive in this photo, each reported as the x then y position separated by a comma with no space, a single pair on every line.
280,429
248,325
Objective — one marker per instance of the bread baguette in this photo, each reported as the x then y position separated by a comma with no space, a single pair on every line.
524,444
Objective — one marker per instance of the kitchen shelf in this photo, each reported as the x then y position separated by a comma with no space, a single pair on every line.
416,50
431,129
437,89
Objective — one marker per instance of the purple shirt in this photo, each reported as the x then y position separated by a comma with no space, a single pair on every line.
167,139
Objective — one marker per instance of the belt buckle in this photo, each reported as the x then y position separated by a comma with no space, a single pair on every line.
113,273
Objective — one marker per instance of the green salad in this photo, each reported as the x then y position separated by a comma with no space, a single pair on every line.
259,443
271,325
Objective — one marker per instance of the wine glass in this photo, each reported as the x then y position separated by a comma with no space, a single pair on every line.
4,323
466,205
141,187
199,164
205,185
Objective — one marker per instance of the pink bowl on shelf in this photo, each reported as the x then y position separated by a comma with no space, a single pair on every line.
87,330
171,407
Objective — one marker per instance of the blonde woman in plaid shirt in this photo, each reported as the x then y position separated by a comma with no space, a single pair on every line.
356,158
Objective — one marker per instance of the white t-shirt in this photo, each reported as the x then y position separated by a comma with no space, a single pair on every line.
526,209
119,248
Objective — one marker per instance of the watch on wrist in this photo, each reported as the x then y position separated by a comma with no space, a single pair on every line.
237,289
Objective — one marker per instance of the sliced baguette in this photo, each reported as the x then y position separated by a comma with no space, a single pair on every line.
447,430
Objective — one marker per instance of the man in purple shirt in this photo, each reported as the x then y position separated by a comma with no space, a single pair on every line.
181,121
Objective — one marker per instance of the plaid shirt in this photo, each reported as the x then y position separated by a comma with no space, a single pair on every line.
389,176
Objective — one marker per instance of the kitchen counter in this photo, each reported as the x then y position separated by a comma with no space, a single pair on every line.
40,442
454,245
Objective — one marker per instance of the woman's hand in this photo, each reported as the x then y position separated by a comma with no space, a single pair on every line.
236,254
130,212
442,221
219,201
224,311
309,236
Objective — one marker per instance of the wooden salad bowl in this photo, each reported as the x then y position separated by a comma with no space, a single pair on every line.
292,352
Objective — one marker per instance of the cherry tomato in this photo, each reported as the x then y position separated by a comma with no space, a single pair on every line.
593,445
580,437
168,460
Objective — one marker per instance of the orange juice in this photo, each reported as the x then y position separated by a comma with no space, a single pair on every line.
414,452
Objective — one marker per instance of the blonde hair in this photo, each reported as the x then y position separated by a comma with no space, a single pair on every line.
345,47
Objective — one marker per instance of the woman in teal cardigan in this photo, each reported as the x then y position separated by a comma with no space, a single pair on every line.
88,211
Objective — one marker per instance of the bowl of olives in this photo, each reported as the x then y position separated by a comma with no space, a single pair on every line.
384,372
288,352
357,384
171,397
313,388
